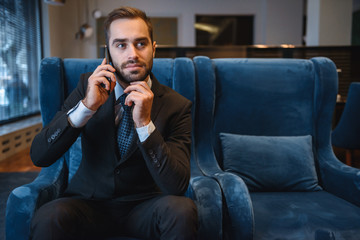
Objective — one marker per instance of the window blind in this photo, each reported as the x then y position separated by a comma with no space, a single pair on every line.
20,55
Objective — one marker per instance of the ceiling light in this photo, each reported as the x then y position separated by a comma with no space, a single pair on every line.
97,14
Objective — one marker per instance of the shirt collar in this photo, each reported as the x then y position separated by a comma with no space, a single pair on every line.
120,91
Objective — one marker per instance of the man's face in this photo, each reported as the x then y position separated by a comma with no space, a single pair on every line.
131,49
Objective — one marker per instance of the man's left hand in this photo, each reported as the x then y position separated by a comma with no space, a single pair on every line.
142,97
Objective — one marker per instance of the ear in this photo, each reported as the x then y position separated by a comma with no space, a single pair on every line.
154,48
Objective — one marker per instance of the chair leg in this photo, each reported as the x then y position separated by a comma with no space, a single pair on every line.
348,157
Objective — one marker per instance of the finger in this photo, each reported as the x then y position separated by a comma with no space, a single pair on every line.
112,85
103,61
142,83
104,76
104,66
137,98
99,68
145,89
107,74
133,98
101,82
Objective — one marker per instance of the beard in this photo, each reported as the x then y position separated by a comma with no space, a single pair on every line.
136,75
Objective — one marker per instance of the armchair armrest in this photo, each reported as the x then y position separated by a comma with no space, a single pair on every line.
338,178
24,200
206,194
238,206
238,213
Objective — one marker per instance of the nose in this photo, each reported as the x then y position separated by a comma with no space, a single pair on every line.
132,52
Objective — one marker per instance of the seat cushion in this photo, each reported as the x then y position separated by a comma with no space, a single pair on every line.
271,163
304,215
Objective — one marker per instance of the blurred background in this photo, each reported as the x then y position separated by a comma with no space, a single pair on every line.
33,29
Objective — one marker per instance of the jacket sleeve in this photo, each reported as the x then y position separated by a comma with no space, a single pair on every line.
168,155
58,136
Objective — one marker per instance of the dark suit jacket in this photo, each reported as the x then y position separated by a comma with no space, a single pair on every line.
160,165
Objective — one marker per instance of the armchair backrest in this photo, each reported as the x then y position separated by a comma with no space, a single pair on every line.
266,97
58,77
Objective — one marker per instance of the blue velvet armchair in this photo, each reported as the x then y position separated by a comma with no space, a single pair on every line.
347,132
57,79
263,131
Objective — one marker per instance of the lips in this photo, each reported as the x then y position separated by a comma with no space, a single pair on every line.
132,65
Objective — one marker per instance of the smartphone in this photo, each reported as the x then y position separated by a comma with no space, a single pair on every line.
108,61
107,55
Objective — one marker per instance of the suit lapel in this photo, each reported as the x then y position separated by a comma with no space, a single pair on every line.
158,91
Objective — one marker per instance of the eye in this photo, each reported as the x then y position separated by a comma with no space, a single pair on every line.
141,44
121,45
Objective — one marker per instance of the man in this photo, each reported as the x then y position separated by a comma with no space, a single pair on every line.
129,187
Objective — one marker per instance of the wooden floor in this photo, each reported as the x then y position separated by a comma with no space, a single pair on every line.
21,162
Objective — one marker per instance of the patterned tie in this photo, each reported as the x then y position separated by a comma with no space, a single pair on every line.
125,129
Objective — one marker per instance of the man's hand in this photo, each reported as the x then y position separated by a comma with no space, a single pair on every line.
142,97
99,85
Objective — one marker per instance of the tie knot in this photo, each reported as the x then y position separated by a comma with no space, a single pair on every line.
121,99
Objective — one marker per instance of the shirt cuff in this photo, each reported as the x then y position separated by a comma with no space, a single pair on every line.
79,115
145,131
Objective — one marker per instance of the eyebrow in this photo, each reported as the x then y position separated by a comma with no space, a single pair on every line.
116,40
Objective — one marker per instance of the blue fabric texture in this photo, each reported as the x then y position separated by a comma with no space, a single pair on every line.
238,222
268,163
24,200
274,98
304,215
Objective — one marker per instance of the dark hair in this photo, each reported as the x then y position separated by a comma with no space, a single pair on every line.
126,13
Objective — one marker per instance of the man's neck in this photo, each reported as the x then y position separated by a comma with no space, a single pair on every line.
123,84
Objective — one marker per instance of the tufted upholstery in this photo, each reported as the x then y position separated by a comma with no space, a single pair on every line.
275,97
57,79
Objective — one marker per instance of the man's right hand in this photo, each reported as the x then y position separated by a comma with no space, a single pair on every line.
98,86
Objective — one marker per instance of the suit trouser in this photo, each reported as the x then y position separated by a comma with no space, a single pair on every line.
163,217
